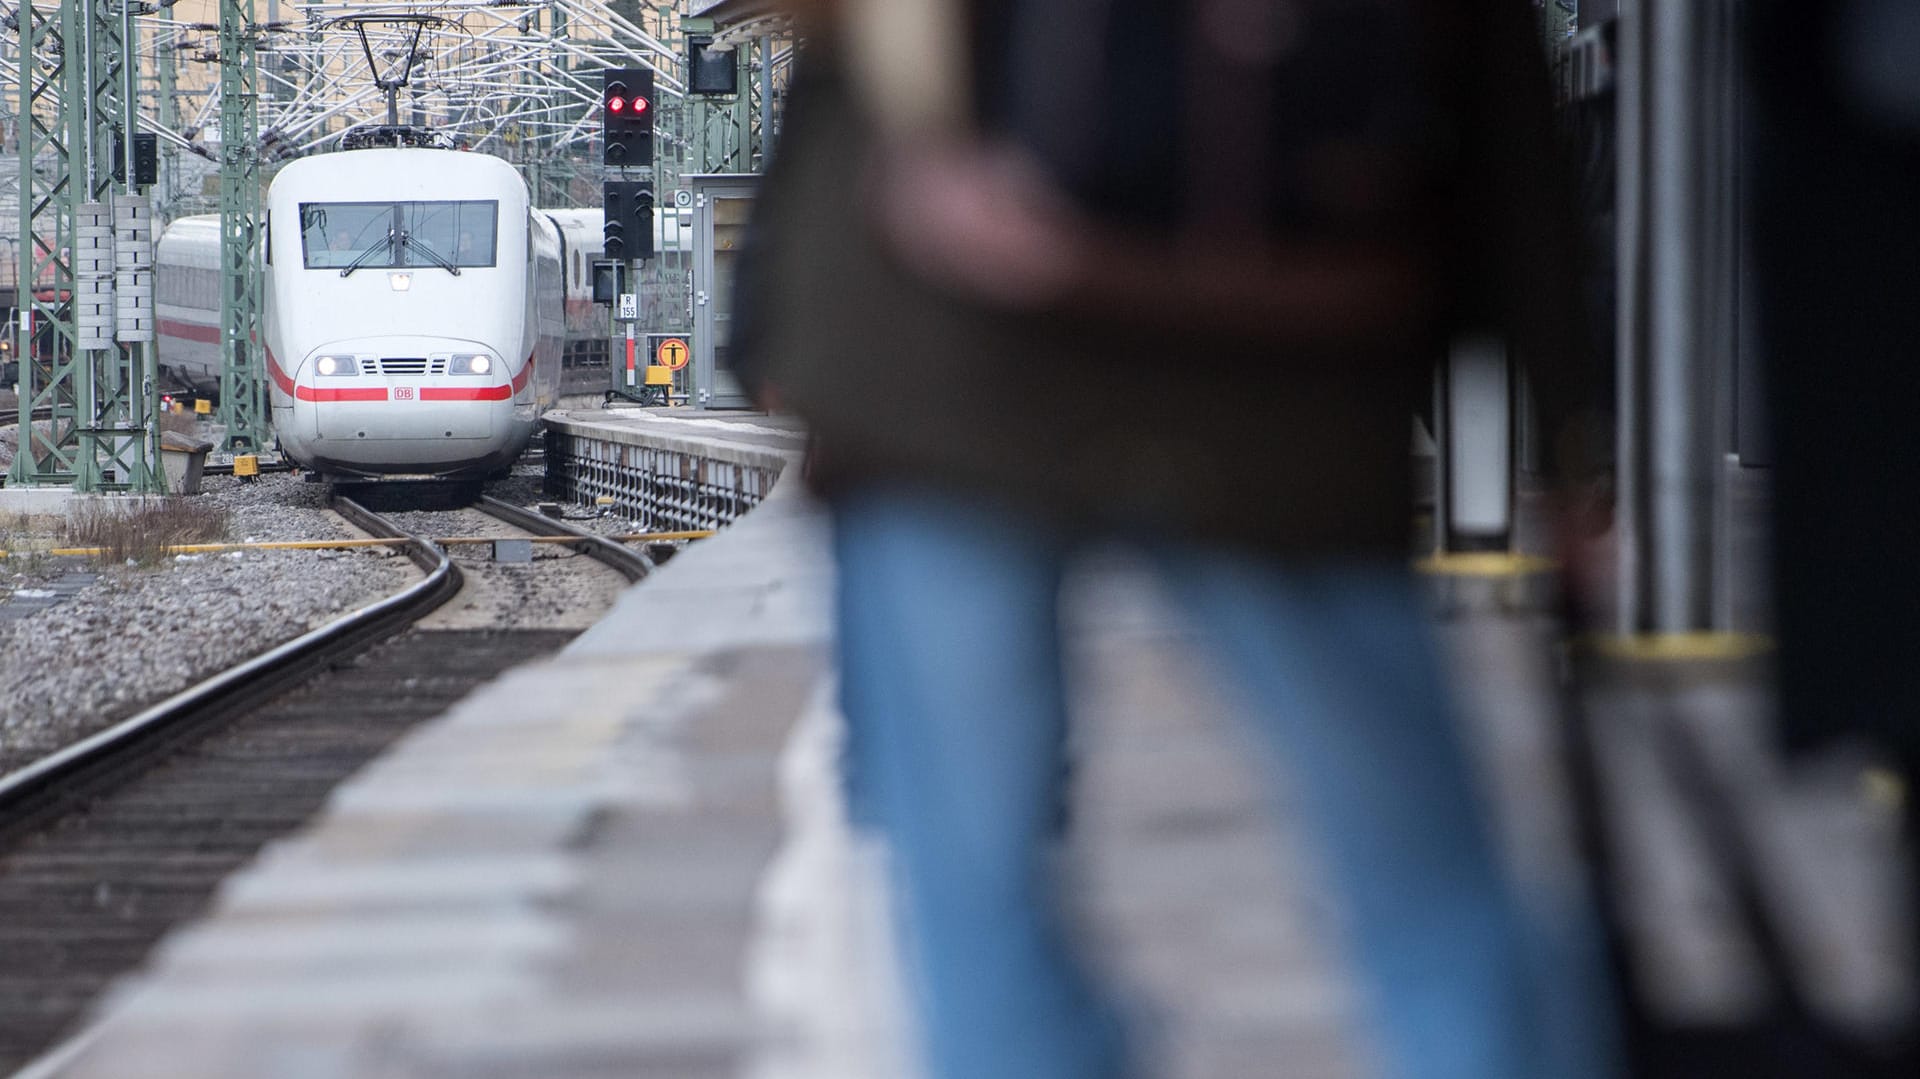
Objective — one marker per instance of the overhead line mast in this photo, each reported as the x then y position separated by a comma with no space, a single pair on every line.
74,81
243,398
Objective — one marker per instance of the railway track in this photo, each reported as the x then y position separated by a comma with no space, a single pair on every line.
620,559
10,406
106,845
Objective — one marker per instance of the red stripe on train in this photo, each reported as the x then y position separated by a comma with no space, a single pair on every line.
349,393
280,378
379,393
464,393
190,331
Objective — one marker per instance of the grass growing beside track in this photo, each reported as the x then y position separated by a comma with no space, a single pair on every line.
146,534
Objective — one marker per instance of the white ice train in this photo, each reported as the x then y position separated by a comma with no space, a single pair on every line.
417,310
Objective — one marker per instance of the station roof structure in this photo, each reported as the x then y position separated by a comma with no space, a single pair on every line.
726,12
734,19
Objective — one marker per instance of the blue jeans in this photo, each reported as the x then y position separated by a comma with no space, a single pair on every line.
952,685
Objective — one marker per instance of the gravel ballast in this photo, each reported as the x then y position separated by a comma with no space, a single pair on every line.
559,589
137,635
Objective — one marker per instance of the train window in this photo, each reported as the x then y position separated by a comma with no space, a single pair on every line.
385,235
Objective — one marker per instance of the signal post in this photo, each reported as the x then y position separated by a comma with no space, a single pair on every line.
627,109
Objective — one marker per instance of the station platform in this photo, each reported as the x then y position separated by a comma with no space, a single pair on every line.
631,859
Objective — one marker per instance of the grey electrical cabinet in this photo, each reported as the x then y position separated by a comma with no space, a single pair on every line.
722,204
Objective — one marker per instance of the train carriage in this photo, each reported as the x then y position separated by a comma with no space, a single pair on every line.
582,236
187,303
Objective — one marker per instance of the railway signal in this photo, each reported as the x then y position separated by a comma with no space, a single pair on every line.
146,159
613,198
711,70
609,280
626,117
628,228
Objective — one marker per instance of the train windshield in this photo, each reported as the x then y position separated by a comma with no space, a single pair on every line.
390,235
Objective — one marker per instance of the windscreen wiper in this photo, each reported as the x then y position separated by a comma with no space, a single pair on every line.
372,249
407,240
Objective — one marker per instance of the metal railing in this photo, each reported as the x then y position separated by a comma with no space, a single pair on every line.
659,487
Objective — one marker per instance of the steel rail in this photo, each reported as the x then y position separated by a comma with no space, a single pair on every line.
69,775
629,564
44,412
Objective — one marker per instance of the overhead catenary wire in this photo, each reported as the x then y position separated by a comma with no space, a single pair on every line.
486,69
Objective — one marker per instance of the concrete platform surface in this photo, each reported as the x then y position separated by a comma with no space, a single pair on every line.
718,429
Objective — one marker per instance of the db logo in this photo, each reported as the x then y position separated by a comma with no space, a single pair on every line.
403,393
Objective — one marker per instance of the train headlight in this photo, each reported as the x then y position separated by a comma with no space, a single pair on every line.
329,366
470,365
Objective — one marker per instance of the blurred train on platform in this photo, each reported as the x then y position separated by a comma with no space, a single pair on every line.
417,310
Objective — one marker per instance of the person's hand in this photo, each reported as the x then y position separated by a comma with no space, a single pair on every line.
984,221
979,218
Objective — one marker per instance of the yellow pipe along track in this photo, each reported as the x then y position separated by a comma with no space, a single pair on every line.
344,544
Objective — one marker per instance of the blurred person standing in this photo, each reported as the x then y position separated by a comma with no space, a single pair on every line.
990,225
1833,160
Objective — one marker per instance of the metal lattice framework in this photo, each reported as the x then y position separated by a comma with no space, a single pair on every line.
514,79
73,92
243,394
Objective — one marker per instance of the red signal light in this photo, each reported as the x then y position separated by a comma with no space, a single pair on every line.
626,117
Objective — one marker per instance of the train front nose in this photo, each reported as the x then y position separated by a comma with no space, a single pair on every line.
403,405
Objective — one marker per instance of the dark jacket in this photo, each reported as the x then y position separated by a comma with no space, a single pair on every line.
1112,422
1834,167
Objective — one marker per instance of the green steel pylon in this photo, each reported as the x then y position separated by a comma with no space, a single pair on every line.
75,100
243,397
